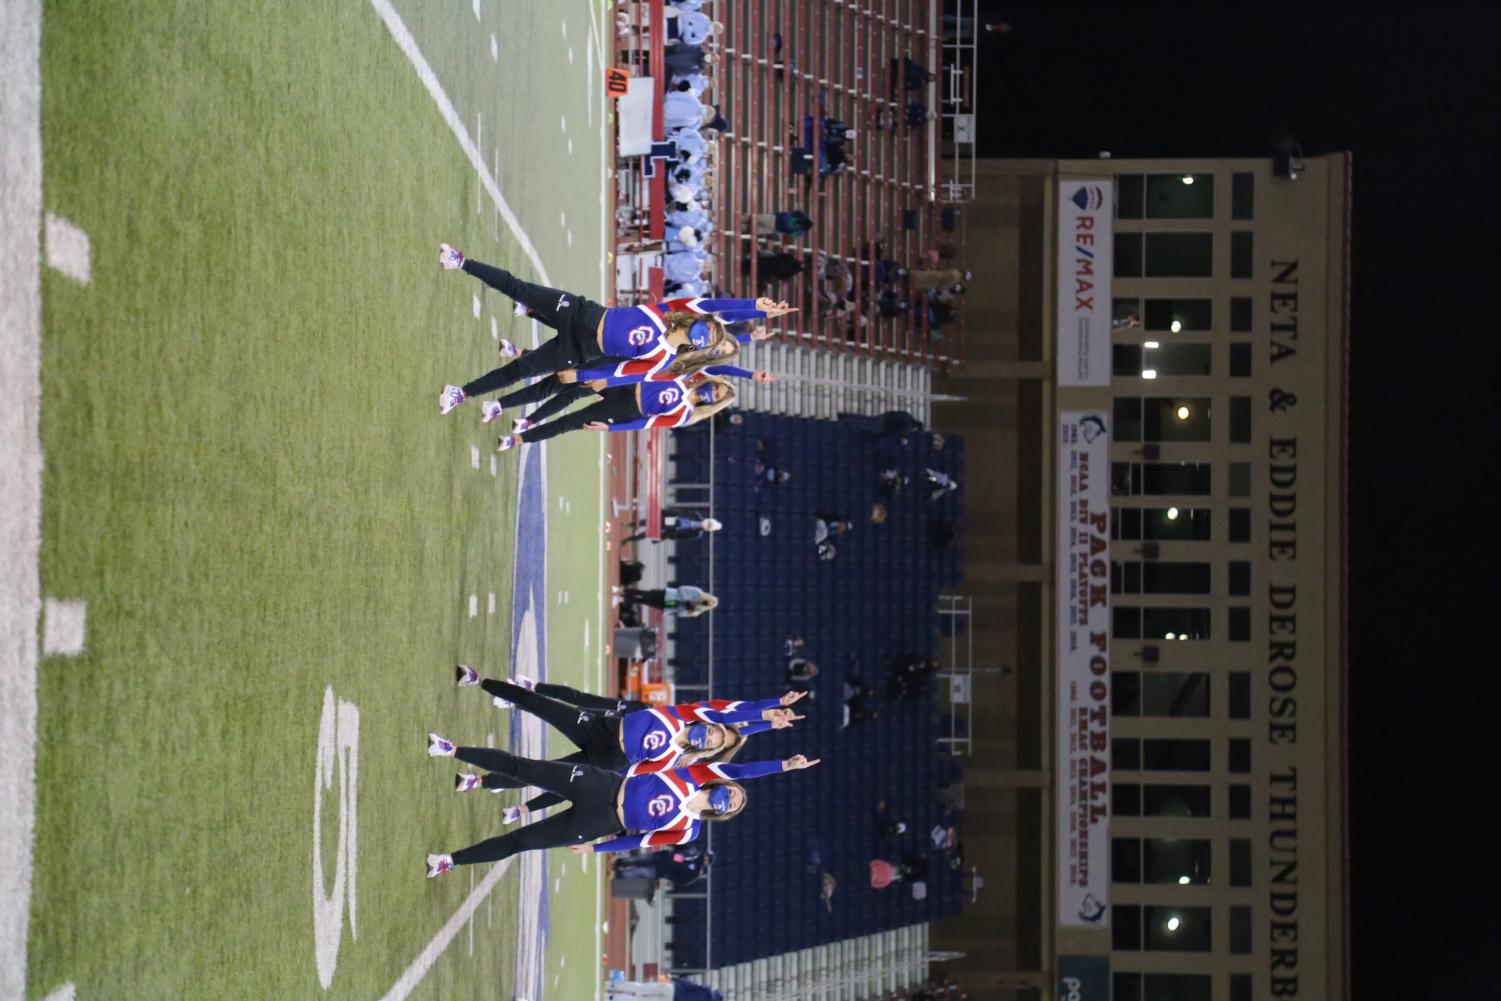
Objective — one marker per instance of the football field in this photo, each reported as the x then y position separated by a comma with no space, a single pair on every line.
261,550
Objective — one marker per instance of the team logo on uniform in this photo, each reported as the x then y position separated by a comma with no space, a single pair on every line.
660,805
562,302
575,773
642,334
654,740
669,396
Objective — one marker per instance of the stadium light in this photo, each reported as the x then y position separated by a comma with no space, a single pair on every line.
1149,373
1184,881
1175,326
1151,345
1171,636
1188,178
1183,412
1172,514
1183,637
1173,923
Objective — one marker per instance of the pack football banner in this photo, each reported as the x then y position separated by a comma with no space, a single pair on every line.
1085,260
1082,779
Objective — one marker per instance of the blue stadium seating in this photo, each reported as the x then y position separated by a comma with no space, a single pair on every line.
876,600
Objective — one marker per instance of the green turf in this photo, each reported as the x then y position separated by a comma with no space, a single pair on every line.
248,482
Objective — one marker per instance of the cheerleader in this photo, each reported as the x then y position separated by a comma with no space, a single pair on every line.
635,741
588,333
562,390
671,403
630,812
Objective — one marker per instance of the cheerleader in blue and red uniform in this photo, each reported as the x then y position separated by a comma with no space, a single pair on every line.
640,739
669,403
685,330
638,811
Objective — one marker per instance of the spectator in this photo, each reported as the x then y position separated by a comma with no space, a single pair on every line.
884,426
940,484
773,266
907,675
859,704
891,480
678,524
794,223
684,60
688,27
681,866
961,29
927,280
885,825
878,513
685,601
915,74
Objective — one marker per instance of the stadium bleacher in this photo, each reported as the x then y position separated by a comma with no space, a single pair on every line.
875,600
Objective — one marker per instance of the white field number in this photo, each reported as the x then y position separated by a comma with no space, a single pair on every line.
338,752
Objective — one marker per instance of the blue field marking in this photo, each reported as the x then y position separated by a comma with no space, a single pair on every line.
528,736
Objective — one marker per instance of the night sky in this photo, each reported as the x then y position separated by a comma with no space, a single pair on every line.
1413,93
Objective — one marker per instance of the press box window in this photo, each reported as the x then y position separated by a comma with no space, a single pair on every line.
1240,861
1239,624
1175,623
1180,196
1179,255
1240,524
1240,578
1174,861
1241,254
1240,987
1239,801
1240,695
1175,418
1128,255
1156,360
1240,420
1240,931
1160,523
1160,694
1240,479
1153,577
1240,315
1240,360
1131,799
1162,987
1175,316
1171,754
1130,196
1242,195
1240,755
1153,479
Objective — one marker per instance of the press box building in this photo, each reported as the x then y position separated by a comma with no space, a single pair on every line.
1158,366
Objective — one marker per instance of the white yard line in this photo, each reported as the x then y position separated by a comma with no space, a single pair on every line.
67,992
63,627
67,249
414,973
21,457
408,46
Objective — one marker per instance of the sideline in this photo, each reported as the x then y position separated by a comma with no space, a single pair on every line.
408,46
20,469
414,973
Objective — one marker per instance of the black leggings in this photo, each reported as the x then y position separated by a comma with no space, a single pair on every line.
616,404
597,735
592,791
575,318
655,597
558,394
590,701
